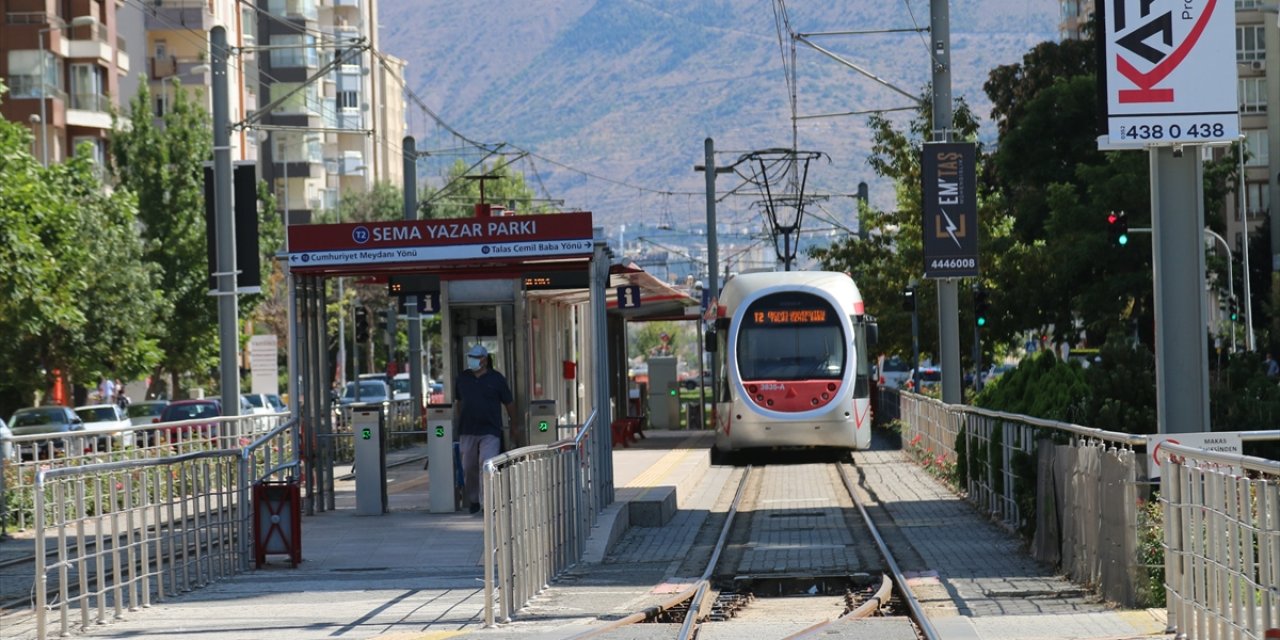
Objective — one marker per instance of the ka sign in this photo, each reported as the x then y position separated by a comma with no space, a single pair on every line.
1170,72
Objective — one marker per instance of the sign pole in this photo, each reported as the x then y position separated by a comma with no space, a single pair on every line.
948,295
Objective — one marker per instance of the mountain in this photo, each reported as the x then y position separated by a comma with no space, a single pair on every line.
627,90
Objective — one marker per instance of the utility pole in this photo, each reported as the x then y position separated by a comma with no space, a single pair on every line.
948,296
415,319
228,331
713,257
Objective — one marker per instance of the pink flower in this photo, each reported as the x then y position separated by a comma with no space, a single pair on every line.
916,440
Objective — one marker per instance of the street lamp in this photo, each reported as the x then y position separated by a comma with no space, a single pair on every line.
78,21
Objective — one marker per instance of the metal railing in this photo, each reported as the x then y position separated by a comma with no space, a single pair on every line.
30,454
538,511
1222,543
397,421
1221,511
112,535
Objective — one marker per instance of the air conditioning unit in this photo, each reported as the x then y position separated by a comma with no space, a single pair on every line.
1257,65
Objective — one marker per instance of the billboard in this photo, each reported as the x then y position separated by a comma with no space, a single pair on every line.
949,233
1169,72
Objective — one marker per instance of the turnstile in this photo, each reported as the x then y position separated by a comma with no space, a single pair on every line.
440,472
370,459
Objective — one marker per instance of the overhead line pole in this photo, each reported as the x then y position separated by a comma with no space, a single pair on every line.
948,295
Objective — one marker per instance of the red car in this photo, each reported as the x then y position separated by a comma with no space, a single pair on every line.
191,410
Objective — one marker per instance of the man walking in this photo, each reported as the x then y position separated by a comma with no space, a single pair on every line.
480,394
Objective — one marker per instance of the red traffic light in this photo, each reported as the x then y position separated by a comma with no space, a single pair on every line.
1112,217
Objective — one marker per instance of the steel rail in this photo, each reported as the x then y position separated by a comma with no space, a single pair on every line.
704,583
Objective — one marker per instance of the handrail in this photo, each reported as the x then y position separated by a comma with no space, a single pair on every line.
1252,463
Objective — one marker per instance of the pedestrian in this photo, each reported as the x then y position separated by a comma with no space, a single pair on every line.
121,399
480,394
107,391
1273,367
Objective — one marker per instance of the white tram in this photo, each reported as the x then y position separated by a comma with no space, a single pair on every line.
792,351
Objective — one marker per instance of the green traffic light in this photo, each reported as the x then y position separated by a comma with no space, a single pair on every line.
673,392
1123,239
982,322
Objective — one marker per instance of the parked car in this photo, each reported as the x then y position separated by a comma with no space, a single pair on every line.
261,403
929,377
145,411
895,372
401,386
109,421
50,419
191,410
6,447
370,391
693,381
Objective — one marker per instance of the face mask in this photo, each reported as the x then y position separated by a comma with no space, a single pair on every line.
473,363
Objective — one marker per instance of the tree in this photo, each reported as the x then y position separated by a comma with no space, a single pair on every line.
75,296
457,199
163,165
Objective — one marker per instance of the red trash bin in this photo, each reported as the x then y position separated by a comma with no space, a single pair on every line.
277,521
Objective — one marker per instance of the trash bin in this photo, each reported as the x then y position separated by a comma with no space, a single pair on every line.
277,521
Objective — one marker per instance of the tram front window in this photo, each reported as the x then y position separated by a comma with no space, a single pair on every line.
791,353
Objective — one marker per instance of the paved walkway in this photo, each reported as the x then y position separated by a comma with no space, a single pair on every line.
410,574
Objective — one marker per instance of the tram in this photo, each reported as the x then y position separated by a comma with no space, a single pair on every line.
792,347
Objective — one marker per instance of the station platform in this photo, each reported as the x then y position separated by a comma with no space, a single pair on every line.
410,574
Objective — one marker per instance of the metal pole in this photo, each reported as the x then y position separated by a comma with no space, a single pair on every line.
713,257
948,289
1231,283
228,331
415,319
1244,254
1177,222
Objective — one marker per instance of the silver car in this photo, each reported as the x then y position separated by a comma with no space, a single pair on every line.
52,419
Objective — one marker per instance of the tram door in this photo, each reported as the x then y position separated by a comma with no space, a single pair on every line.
492,326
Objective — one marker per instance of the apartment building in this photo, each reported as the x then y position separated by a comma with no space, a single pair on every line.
62,62
177,49
333,124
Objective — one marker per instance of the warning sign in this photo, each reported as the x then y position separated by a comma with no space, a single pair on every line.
1218,442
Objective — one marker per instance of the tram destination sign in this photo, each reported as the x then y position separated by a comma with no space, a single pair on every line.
1169,72
499,238
950,204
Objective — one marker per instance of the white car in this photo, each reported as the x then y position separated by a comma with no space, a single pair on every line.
401,386
107,421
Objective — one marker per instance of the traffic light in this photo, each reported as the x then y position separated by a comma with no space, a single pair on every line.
1235,309
981,306
362,324
909,299
382,320
1118,228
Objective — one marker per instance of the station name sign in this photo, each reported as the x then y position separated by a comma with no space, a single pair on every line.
414,241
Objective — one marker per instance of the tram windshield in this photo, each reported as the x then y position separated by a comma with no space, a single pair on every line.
791,336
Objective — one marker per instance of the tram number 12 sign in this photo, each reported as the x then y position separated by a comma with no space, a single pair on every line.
950,204
1170,72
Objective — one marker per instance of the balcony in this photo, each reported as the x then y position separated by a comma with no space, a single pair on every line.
26,17
95,47
92,110
30,87
122,55
168,15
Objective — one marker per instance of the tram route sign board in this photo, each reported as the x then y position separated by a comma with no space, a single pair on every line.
335,247
950,205
1169,72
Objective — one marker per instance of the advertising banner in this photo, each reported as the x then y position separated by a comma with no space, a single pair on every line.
950,203
1169,72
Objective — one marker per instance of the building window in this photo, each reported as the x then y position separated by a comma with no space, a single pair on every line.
162,103
1256,147
1248,4
1253,95
349,99
1257,198
1251,43
306,101
91,145
161,49
25,68
299,51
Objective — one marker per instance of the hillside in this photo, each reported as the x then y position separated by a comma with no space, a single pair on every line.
628,89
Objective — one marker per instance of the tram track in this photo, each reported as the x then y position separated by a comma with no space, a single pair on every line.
735,597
